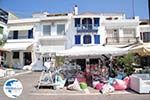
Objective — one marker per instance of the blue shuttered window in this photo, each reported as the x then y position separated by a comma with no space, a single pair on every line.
96,22
77,39
77,22
97,39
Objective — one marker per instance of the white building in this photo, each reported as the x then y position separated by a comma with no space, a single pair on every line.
145,38
29,38
50,33
3,37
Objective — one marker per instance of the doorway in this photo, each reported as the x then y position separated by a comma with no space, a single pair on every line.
82,63
27,58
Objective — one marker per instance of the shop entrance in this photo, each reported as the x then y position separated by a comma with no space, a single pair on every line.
82,63
93,61
27,58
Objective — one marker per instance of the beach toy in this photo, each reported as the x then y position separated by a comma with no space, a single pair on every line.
99,86
83,85
120,85
107,88
94,83
126,80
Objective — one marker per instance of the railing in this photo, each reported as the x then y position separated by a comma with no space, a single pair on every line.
120,40
19,37
87,28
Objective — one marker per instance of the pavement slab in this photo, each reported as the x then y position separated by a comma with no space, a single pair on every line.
30,80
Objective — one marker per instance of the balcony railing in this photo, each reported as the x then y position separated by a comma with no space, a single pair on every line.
19,37
120,40
87,28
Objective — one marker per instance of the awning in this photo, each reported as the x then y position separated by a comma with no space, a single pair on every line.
92,51
3,49
12,28
143,49
17,46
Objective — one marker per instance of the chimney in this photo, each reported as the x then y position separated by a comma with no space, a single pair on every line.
76,10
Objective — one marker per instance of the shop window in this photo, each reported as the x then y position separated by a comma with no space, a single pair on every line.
96,22
77,39
77,22
16,55
15,34
87,39
145,61
30,33
97,39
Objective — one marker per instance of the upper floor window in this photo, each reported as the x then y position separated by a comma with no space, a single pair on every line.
77,39
146,37
46,30
30,33
15,34
1,30
87,23
96,22
61,29
87,39
77,22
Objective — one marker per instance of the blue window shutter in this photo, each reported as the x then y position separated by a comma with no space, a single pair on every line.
77,39
96,22
30,33
97,39
77,22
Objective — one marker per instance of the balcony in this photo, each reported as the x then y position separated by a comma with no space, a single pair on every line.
120,40
19,37
87,28
54,37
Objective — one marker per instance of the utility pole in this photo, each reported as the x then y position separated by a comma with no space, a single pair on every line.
133,13
149,10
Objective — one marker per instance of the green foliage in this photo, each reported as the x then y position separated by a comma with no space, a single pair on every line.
2,42
126,62
59,60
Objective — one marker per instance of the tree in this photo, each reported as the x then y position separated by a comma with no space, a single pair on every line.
2,37
126,62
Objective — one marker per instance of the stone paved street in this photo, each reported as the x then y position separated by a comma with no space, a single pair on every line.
29,80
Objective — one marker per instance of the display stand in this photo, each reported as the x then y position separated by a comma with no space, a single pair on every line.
47,76
46,79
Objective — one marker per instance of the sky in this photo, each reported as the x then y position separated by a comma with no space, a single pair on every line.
25,8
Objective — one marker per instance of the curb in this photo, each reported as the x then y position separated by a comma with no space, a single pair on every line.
21,73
